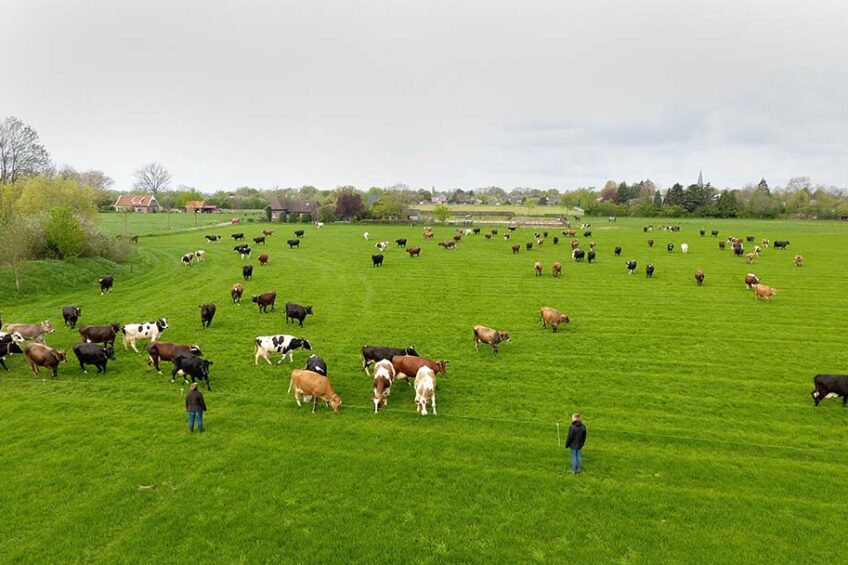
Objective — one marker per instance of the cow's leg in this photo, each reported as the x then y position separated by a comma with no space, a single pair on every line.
291,356
82,366
844,400
433,404
495,349
134,347
125,342
297,396
208,387
314,403
3,363
476,344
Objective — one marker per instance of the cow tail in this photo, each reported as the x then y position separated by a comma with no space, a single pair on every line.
291,382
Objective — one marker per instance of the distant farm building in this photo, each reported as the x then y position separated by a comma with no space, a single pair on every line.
200,207
144,203
285,207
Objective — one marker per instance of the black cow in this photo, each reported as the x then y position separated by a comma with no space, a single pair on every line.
780,244
670,247
259,240
377,260
750,239
8,348
293,243
587,234
578,254
494,232
100,334
529,245
702,232
738,250
476,231
315,363
649,270
207,312
213,238
237,236
192,365
631,266
299,233
591,256
247,272
71,314
722,244
94,354
617,250
828,386
297,312
373,353
401,242
714,233
650,243
106,284
556,240
511,228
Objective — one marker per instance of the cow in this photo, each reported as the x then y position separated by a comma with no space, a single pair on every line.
427,235
187,259
237,236
750,280
299,233
381,245
309,385
699,277
373,353
168,351
264,300
384,374
199,255
106,284
365,235
448,244
315,363
240,247
587,234
540,242
799,261
714,233
765,243
749,258
764,292
38,355
247,272
297,312
489,336
263,259
591,256
515,249
631,267
830,386
245,252
407,365
377,260
649,270
556,240
267,233
780,244
750,239
139,332
738,250
557,269
528,245
259,240
650,243
684,248
617,251
319,225
100,334
207,312
11,337
134,239
414,251
592,245
457,238
476,231
722,245
281,343
235,293
93,354
425,389
578,254
511,228
35,332
670,247
552,316
8,348
213,238
71,314
293,243
538,268
488,236
507,235
401,242
703,232
192,365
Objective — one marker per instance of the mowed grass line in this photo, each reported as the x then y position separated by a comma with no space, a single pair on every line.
704,444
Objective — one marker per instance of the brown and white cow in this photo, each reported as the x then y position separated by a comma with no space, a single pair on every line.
38,355
538,268
799,261
414,251
699,277
408,365
750,280
764,291
384,374
483,334
34,332
425,389
309,385
552,316
235,292
557,269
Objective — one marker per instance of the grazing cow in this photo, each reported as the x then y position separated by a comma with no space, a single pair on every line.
373,353
187,259
617,251
749,258
490,336
684,248
738,250
569,233
384,374
750,280
106,284
650,243
31,331
529,245
457,238
168,351
309,385
631,267
765,243
267,233
507,235
714,233
245,252
264,300
213,238
448,244
199,255
757,250
365,235
488,236
263,259
557,269
476,231
381,245
408,365
699,277
71,314
93,354
207,312
556,240
280,343
649,270
297,312
516,248
587,234
319,225
425,389
414,251
780,244
578,254
764,292
401,242
830,386
377,260
750,239
427,235
192,365
299,233
139,332
494,232
8,348
722,245
591,256
247,272
237,236
799,261
100,334
293,243
552,316
670,247
702,232
538,268
259,240
235,293
315,363
511,228
38,355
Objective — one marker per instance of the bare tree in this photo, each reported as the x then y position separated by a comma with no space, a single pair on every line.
21,154
152,177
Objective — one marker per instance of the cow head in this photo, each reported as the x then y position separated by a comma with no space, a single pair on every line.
162,324
564,319
503,336
109,352
16,337
204,368
309,310
306,344
335,402
77,311
47,326
255,299
411,351
194,349
442,367
59,355
116,327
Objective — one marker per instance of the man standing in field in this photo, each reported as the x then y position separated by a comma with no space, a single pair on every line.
196,406
575,440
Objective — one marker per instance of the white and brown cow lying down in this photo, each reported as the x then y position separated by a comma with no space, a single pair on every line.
309,385
141,332
34,332
425,389
384,374
281,343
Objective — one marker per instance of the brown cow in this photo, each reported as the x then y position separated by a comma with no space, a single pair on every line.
750,280
268,233
765,243
482,334
428,235
384,374
263,259
31,331
100,334
574,244
264,300
414,251
235,292
699,277
167,351
799,261
749,258
448,244
311,385
487,235
552,316
763,291
515,249
134,239
38,355
557,269
407,365
538,268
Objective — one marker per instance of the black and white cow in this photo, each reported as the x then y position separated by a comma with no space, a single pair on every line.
8,348
670,247
106,284
631,267
578,254
297,312
187,259
192,365
93,354
140,332
71,314
830,386
281,343
649,270
316,364
247,272
373,353
213,238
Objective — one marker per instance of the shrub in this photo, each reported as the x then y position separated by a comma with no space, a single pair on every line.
65,235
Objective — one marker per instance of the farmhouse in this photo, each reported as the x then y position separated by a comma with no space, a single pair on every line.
286,206
144,203
200,207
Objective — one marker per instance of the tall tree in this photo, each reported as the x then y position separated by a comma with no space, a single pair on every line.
658,201
152,177
728,206
349,204
21,153
674,196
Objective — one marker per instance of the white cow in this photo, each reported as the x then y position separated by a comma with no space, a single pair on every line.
281,343
187,259
319,225
684,247
199,255
382,245
384,374
365,235
425,389
140,332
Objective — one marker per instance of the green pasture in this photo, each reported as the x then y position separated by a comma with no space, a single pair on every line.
703,446
145,224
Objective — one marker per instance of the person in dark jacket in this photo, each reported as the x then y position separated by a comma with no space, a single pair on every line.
195,406
575,440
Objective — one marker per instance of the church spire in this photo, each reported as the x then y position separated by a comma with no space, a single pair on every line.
701,178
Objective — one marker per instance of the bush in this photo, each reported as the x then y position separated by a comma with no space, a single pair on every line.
65,236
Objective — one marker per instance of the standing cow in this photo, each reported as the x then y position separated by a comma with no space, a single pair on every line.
551,316
207,312
490,336
71,314
38,355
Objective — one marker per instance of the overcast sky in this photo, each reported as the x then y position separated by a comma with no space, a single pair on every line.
469,93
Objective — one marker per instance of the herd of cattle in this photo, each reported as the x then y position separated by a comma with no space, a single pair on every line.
97,345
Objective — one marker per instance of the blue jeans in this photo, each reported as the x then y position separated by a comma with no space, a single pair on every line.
576,461
192,416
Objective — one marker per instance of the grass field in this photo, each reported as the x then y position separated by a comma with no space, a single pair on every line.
483,209
703,447
147,224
